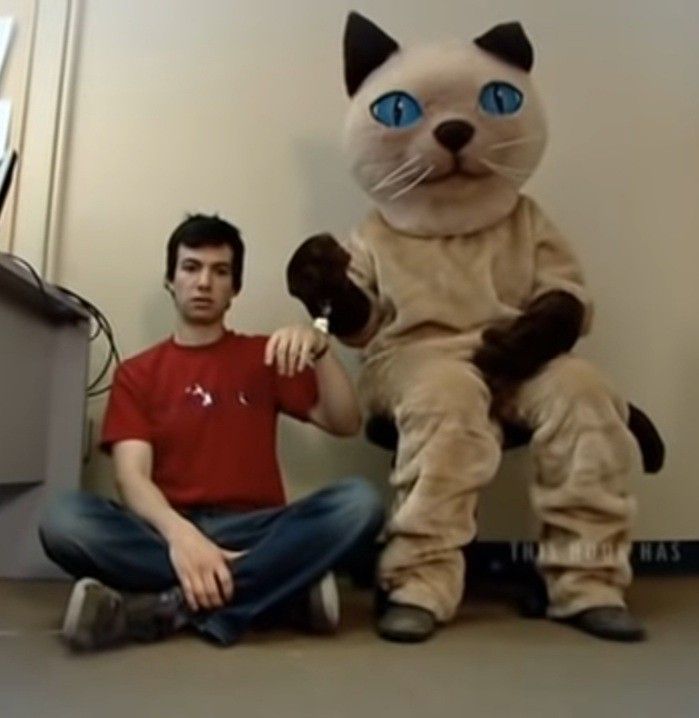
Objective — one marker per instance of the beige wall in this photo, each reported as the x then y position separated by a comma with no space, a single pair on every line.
236,107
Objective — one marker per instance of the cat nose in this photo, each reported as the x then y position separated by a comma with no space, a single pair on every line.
454,134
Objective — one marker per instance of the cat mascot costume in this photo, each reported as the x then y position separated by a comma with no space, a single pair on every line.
467,302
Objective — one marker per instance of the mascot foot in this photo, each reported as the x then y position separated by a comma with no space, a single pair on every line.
614,623
406,624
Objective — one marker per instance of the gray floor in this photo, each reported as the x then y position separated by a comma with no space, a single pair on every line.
488,663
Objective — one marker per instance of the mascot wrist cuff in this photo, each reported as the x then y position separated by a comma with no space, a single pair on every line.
322,324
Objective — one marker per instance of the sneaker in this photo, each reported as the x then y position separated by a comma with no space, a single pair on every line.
324,605
317,609
406,624
615,623
98,616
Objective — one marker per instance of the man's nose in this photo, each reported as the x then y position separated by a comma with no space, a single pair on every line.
204,279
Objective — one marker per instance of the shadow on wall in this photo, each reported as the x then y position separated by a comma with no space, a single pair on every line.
333,202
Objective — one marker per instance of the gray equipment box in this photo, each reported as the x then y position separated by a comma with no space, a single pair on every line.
44,352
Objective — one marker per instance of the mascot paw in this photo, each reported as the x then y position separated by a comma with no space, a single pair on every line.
506,355
317,275
317,272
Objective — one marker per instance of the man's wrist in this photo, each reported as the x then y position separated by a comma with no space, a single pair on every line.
320,353
175,527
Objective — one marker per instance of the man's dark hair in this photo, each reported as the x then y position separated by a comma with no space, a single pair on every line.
200,230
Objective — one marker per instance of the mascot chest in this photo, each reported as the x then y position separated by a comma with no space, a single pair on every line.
463,271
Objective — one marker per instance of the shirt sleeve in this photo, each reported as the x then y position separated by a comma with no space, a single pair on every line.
126,416
296,395
556,267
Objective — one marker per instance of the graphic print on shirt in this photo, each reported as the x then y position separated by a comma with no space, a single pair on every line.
198,391
243,398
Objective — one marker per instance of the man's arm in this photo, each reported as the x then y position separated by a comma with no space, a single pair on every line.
292,349
201,566
337,410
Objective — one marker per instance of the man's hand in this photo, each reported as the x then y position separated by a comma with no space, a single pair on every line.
202,569
294,348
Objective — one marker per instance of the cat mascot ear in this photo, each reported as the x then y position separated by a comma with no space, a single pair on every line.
366,47
510,43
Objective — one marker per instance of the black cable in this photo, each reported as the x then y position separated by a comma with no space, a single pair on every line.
35,275
101,323
99,392
95,314
103,326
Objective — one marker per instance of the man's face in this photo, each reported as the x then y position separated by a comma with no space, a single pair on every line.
202,286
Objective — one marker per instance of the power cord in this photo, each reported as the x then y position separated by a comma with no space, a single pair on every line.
99,324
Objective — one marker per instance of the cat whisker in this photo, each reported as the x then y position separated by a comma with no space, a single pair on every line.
413,183
507,171
398,179
400,170
397,175
386,163
518,141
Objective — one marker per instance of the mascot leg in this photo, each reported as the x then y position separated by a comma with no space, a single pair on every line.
585,454
448,448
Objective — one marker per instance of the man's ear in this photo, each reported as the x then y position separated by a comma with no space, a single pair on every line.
167,285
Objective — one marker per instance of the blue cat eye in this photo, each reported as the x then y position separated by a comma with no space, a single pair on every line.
501,98
397,109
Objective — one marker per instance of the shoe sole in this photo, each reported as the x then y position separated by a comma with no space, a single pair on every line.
74,612
325,605
387,629
618,637
404,637
628,636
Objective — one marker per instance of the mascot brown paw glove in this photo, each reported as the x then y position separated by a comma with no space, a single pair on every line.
550,326
317,275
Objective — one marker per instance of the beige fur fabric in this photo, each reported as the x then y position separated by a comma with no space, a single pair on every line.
447,78
453,248
449,448
442,291
434,296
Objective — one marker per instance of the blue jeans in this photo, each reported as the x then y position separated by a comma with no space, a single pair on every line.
288,548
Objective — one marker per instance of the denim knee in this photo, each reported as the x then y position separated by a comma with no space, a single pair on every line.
359,506
65,524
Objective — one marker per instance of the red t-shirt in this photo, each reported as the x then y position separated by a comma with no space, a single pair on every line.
210,414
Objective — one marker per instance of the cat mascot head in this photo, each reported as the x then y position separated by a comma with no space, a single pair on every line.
441,136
